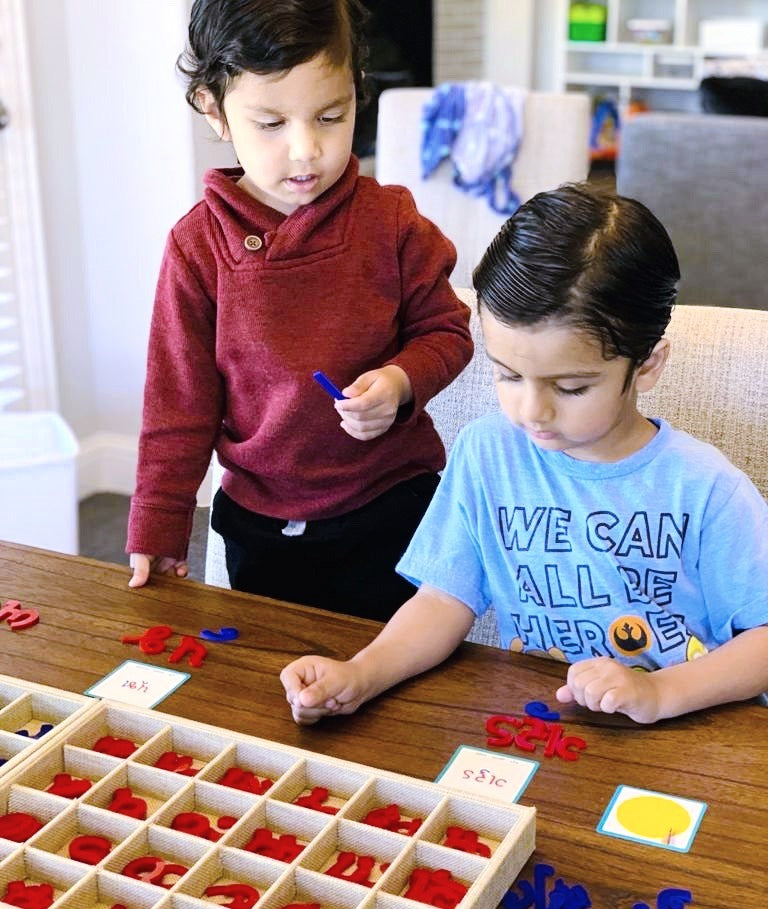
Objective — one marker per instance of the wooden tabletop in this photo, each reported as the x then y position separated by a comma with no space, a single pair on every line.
718,756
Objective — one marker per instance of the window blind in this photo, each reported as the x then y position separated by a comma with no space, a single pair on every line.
27,373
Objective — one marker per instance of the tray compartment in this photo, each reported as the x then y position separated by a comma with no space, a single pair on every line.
39,805
490,824
413,804
154,787
164,845
220,807
231,867
63,761
303,886
114,722
250,767
84,821
358,853
34,868
104,890
310,778
281,820
28,713
182,750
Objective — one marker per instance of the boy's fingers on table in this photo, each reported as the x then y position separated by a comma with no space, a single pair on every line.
144,565
141,565
169,565
315,695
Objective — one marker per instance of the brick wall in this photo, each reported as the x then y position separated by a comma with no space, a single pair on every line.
458,40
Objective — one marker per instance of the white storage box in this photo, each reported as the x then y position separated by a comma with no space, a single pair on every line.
731,36
650,31
38,488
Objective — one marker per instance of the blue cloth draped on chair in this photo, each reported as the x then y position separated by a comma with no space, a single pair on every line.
479,126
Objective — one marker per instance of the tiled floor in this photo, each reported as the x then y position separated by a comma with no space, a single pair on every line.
103,519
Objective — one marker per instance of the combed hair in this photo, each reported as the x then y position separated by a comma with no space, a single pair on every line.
596,261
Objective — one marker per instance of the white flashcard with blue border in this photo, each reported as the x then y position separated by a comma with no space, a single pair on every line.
653,818
488,773
140,684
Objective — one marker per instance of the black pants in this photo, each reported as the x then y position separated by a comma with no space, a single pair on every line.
345,564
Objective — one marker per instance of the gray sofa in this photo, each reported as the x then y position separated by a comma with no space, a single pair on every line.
705,176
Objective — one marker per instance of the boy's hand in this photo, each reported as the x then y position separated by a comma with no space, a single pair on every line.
372,402
317,686
605,685
145,565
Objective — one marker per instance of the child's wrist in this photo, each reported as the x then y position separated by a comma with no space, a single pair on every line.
369,680
405,395
667,696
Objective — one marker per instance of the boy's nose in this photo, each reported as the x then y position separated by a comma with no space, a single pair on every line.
303,144
535,406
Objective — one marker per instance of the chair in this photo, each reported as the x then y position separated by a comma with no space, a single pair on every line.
714,387
704,176
554,150
469,396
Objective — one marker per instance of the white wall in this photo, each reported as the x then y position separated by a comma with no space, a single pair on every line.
484,39
117,170
120,158
545,45
508,51
53,105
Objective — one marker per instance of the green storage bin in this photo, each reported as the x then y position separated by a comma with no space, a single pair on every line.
586,22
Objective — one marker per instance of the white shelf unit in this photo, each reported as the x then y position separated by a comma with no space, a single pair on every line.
665,76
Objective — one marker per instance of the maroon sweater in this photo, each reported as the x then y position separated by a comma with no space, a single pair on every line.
351,282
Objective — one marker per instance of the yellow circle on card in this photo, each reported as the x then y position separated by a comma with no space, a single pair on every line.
653,816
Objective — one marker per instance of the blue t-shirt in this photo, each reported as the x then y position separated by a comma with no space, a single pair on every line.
653,559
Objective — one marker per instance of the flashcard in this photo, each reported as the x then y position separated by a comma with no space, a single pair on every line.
487,773
653,818
138,683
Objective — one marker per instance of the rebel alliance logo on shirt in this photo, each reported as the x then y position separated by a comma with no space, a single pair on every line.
630,635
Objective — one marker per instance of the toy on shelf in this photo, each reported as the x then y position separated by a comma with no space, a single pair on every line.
587,21
604,135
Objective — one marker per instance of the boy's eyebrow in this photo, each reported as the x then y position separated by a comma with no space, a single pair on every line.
586,374
342,99
336,102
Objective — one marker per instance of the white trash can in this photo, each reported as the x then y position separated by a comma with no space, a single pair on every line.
38,485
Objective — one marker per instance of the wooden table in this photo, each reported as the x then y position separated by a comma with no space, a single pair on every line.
718,756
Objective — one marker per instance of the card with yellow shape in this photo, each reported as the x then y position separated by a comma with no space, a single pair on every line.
653,818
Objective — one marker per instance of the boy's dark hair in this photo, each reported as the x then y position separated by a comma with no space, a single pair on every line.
596,261
229,37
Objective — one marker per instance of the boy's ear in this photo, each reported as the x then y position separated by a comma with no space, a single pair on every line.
212,114
650,370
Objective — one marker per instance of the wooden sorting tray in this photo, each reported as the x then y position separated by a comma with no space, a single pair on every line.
199,831
28,710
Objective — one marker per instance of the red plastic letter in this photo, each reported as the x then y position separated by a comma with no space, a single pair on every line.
501,738
191,648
